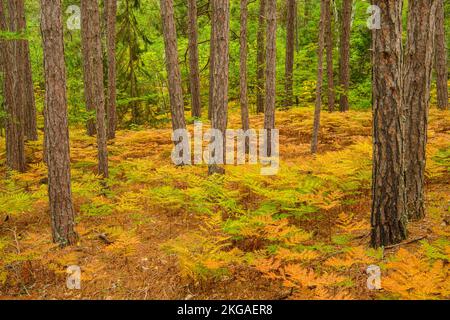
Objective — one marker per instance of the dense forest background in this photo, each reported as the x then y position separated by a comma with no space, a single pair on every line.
141,63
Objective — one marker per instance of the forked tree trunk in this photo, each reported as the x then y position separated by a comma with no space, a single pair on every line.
173,68
194,72
441,57
243,66
59,190
269,113
417,82
344,69
111,19
15,149
221,61
318,105
87,38
329,45
260,57
29,105
290,46
388,185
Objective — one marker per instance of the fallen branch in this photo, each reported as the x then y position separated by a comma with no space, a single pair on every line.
406,242
105,239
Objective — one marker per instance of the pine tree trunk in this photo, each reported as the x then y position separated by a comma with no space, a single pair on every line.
194,75
243,66
111,13
344,63
95,60
441,57
307,12
269,113
221,61
290,46
329,44
260,57
29,105
15,147
3,43
417,82
59,190
211,61
318,106
388,186
87,37
173,68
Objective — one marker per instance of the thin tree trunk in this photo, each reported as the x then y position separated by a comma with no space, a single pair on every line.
388,187
95,60
194,75
29,105
297,26
173,68
290,47
269,114
15,148
111,19
417,82
307,12
243,66
441,57
344,69
318,106
221,62
211,61
3,44
329,45
260,57
59,190
87,37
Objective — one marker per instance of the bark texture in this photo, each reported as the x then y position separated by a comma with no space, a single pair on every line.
344,70
417,82
211,60
318,105
194,75
260,57
29,104
388,221
441,57
269,114
243,66
291,13
59,190
87,39
173,68
221,62
111,18
95,60
15,149
329,45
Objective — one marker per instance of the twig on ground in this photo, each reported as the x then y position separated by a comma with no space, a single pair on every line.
406,242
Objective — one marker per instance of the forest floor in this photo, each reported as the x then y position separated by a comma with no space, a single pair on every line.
165,232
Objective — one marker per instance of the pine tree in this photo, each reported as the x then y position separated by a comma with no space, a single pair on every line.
417,83
59,189
388,185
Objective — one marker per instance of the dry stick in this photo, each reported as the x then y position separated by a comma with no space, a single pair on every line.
406,242
16,241
105,239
